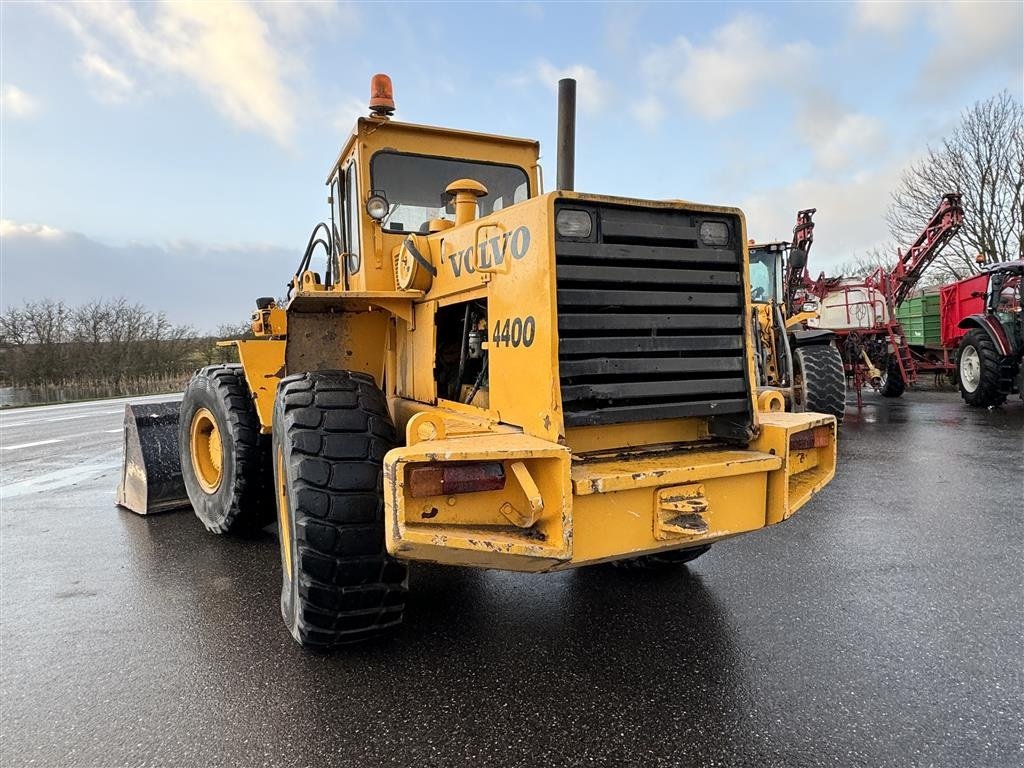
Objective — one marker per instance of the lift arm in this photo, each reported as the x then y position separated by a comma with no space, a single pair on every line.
797,276
910,265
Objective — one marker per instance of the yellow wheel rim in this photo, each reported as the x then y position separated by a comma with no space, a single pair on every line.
207,450
282,514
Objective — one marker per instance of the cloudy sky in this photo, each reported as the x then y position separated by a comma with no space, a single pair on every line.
176,153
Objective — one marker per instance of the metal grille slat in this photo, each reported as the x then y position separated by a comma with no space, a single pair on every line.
659,276
614,252
582,297
680,387
627,345
643,412
652,321
609,366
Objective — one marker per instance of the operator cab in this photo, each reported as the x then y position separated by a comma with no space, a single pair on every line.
766,267
390,182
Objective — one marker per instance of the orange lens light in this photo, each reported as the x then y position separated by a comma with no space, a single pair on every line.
810,438
448,479
382,97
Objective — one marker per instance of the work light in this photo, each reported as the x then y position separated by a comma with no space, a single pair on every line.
377,207
569,223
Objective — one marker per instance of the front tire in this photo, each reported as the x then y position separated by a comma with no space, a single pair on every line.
980,371
339,585
821,377
224,458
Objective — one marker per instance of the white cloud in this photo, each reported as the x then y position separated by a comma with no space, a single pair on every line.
16,102
850,219
649,111
743,62
972,36
241,56
887,16
9,228
592,93
112,85
839,140
966,36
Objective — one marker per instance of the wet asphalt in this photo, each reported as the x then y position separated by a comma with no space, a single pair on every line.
881,626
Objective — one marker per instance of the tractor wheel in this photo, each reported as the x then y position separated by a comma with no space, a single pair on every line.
225,461
892,380
339,585
821,377
662,561
980,371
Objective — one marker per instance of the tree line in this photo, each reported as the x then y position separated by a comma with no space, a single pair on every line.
112,342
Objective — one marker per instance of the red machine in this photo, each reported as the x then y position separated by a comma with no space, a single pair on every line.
957,301
862,311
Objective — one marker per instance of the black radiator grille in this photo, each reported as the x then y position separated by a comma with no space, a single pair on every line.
650,321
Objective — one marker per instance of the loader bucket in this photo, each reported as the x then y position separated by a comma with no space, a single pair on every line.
151,478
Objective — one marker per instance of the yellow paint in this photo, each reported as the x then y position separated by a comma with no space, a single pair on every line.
263,363
283,514
206,449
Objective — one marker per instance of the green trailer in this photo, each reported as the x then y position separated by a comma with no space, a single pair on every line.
921,320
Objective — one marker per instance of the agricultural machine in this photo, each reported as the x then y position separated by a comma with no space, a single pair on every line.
799,363
487,375
862,311
981,318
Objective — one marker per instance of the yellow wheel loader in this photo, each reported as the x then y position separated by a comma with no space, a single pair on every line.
798,368
484,374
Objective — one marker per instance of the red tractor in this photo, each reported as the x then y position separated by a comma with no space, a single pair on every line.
984,313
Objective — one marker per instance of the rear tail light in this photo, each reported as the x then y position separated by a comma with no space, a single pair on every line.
447,479
818,437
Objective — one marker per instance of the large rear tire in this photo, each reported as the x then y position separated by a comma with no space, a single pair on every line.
821,379
979,369
662,561
339,585
225,461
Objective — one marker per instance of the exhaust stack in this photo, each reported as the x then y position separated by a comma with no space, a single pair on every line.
566,176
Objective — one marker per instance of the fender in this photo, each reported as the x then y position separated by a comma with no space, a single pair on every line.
994,329
805,337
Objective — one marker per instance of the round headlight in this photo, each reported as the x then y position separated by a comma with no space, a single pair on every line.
570,223
377,207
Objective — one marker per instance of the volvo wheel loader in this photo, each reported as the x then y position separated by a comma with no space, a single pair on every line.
484,374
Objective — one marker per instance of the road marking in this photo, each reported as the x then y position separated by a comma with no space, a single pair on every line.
59,479
28,445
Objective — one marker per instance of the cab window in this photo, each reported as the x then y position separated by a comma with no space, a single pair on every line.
353,209
414,187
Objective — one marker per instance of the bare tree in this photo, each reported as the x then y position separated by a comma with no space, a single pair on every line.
863,265
983,159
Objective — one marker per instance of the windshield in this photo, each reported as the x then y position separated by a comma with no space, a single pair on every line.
765,275
414,187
